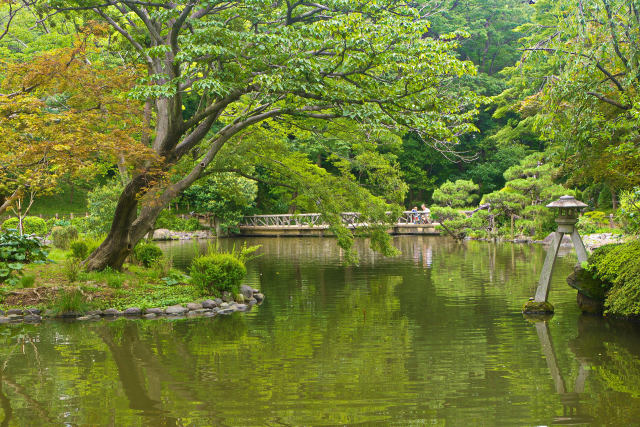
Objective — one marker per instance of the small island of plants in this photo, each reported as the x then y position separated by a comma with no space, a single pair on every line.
51,282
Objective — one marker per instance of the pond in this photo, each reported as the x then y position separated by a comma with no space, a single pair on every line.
434,336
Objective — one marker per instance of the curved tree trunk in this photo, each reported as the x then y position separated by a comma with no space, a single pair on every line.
123,236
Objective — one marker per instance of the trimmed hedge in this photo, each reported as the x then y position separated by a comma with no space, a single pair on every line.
30,225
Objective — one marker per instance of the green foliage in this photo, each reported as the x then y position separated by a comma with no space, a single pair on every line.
27,281
147,253
215,273
72,268
593,222
630,210
171,221
30,225
618,266
227,196
62,237
15,252
454,222
456,194
101,205
79,249
70,301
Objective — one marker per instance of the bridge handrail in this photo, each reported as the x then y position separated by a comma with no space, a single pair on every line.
351,218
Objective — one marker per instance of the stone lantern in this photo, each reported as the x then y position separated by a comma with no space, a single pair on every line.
568,211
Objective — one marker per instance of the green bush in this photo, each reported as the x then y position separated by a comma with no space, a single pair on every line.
618,267
217,272
30,225
71,269
15,252
70,301
147,253
63,236
170,221
27,281
79,249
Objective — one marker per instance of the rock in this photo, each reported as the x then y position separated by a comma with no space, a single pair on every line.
4,319
193,314
15,316
32,311
589,305
583,281
201,311
133,311
70,314
112,312
83,318
162,234
176,310
239,298
49,313
226,311
255,291
533,307
155,311
218,301
94,313
14,311
150,316
241,307
246,291
259,297
227,297
210,313
32,318
224,305
566,239
209,303
194,306
252,301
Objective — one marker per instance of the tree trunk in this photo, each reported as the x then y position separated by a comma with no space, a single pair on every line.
121,238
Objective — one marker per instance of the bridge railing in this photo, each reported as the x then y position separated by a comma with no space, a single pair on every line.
315,219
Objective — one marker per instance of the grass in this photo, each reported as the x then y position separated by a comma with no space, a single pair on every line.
135,286
61,202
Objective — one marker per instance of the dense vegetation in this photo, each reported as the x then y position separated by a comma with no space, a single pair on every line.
491,108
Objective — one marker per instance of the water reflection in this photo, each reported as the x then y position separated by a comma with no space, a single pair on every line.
433,336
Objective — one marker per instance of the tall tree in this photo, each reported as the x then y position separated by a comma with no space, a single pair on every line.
259,63
577,84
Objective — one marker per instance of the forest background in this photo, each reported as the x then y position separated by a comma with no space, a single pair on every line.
549,106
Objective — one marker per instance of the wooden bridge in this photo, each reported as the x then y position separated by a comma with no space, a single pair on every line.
312,224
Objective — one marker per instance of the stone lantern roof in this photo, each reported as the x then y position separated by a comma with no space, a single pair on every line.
567,202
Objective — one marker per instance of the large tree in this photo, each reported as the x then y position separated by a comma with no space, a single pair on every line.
264,63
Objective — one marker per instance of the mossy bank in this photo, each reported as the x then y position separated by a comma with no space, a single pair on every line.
609,282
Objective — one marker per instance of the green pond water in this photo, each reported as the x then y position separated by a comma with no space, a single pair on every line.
434,336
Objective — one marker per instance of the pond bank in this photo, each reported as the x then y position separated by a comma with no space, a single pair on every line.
207,308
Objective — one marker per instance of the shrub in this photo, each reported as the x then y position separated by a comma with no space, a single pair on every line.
618,267
215,273
630,211
70,301
101,204
15,252
147,253
27,281
63,236
79,249
30,225
170,221
71,269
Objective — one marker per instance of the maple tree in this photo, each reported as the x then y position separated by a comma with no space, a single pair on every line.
64,114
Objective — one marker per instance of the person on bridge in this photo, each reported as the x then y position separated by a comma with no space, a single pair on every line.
424,216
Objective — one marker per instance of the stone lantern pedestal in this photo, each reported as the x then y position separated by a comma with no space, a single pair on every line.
568,208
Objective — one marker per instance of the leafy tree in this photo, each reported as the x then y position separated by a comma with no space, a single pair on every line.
265,63
577,85
456,194
227,196
63,114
